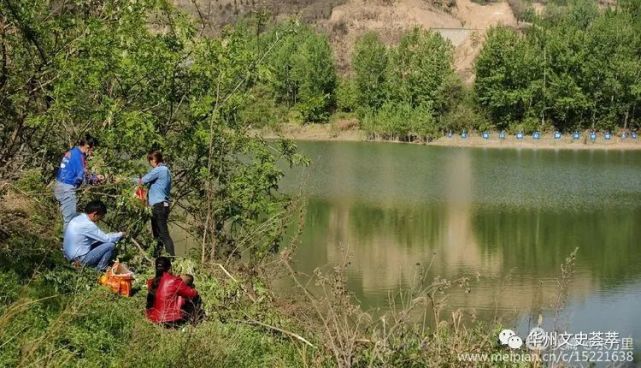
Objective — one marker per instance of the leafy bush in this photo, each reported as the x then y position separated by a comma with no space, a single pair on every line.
262,110
522,10
464,117
347,96
400,121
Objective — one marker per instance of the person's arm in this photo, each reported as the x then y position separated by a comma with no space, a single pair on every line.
185,291
92,178
150,177
93,232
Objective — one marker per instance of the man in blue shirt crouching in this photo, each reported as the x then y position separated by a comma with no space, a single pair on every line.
85,243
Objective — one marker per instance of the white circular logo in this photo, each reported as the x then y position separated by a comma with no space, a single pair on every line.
515,342
504,336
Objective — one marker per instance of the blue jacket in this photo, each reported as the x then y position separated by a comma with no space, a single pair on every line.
159,179
73,168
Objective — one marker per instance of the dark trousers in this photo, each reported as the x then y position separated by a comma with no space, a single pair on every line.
160,230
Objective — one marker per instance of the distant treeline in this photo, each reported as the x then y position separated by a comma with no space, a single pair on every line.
573,67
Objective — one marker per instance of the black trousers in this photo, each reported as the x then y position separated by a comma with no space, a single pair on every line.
160,230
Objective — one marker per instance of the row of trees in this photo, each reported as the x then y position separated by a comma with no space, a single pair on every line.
296,79
576,67
77,69
396,92
399,92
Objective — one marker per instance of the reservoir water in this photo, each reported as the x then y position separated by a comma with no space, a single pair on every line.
505,218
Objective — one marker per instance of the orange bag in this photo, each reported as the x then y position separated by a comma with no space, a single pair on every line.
141,193
119,279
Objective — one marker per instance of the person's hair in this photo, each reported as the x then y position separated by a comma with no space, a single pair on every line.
189,280
88,140
155,155
163,264
96,206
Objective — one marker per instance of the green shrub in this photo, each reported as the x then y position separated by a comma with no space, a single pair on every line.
400,121
346,96
262,111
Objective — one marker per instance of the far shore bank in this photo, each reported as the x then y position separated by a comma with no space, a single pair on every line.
325,132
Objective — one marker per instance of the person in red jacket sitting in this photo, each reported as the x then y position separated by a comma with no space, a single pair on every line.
164,290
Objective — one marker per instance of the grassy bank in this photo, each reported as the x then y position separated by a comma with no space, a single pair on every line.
55,316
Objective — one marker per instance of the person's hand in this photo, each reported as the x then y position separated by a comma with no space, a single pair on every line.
100,178
124,234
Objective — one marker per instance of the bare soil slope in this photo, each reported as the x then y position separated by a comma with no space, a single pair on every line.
464,24
390,19
461,21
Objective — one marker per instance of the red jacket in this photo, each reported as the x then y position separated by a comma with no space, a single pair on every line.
166,304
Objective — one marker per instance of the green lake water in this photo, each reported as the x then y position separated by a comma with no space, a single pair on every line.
507,218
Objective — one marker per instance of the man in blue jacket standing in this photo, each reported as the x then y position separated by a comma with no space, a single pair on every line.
84,241
71,174
159,181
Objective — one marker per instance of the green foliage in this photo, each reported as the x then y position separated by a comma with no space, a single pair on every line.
303,71
262,110
100,69
632,7
420,70
464,116
401,121
314,70
576,68
347,96
402,91
370,68
523,10
505,69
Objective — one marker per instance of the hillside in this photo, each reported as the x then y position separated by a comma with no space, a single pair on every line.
464,23
461,21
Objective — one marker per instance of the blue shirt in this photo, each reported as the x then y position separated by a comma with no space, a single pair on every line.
72,168
159,179
81,234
